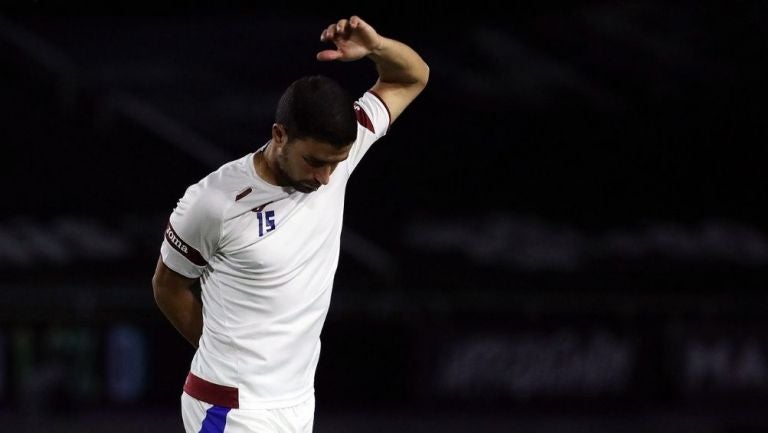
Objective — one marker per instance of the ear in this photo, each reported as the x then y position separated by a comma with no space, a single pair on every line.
279,134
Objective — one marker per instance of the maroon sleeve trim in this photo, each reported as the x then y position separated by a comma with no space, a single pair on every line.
382,103
182,247
363,119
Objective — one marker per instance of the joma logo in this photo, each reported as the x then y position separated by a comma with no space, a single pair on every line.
176,241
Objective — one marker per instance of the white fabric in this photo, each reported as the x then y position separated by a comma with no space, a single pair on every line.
293,419
265,290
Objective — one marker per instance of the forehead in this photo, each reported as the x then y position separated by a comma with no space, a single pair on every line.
319,150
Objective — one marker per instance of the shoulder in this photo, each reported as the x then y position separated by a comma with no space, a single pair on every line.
372,113
218,191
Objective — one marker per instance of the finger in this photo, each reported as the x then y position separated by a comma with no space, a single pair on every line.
355,21
328,33
328,55
342,27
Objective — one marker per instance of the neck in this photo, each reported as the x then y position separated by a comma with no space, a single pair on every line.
266,165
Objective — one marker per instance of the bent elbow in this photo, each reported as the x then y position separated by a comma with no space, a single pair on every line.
425,75
421,76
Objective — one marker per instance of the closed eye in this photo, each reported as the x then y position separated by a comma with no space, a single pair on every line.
314,162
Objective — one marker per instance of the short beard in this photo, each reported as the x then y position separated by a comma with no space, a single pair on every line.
283,179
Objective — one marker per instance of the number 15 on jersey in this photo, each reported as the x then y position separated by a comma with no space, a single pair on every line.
266,221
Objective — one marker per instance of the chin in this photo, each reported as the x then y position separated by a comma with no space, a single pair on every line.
306,189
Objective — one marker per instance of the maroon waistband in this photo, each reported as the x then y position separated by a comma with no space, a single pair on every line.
212,393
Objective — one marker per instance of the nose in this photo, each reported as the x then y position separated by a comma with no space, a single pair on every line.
323,175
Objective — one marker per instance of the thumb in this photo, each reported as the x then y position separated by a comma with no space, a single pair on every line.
328,55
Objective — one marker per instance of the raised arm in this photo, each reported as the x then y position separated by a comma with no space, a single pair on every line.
403,74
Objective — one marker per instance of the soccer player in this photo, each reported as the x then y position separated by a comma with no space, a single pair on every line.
261,235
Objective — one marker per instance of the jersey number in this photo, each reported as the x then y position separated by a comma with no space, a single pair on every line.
266,219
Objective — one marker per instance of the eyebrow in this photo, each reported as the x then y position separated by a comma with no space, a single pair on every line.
324,161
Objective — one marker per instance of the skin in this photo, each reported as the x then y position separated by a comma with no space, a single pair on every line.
403,74
306,164
177,302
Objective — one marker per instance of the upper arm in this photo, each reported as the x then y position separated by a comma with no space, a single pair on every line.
397,96
193,232
167,278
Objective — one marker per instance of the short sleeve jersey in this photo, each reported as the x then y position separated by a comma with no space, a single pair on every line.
266,257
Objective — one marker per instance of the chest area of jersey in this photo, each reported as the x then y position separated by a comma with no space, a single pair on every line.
283,233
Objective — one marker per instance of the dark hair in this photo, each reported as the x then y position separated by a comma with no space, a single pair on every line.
317,107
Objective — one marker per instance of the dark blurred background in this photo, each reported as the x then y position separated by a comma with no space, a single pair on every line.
567,232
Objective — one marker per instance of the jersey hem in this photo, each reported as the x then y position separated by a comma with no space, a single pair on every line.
256,404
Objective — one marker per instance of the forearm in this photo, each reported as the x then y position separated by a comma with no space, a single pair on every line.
183,310
398,63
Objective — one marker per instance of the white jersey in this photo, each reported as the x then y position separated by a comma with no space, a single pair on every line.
266,257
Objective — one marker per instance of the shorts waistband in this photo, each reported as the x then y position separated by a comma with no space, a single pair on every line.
211,393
